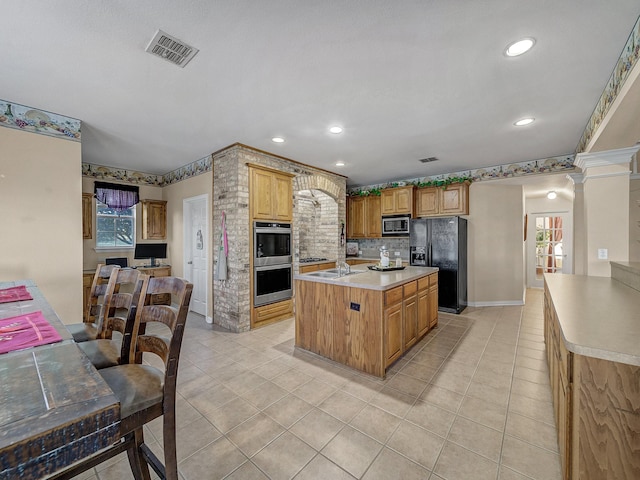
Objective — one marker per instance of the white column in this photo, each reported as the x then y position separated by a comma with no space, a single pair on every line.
606,207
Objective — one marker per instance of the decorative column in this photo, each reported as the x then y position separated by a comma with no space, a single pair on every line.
606,207
579,234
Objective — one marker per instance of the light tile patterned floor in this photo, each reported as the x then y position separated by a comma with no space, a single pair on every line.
470,401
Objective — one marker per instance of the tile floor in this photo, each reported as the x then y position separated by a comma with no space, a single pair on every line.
470,401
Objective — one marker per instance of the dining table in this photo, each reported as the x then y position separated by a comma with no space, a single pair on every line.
55,408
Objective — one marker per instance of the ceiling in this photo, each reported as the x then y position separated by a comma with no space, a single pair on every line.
406,79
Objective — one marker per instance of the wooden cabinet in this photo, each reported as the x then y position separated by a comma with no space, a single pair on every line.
364,219
423,306
162,271
270,313
154,219
410,314
316,266
270,194
596,402
393,333
439,201
395,201
433,301
87,215
87,280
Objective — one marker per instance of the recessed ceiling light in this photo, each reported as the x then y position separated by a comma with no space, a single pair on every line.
277,140
339,163
551,195
519,47
524,121
335,129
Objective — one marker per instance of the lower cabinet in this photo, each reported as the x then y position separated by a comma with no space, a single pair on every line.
270,313
410,314
393,333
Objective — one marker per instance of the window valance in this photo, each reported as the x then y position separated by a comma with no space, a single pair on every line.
117,196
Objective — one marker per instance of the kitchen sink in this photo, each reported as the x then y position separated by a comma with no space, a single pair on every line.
333,273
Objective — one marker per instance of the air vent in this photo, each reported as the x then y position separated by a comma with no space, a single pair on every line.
171,49
428,159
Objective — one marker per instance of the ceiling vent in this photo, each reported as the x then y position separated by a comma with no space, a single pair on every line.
428,160
171,49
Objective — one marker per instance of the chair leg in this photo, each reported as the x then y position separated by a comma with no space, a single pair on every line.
169,440
139,466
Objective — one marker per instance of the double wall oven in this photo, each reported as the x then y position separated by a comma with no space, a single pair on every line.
272,262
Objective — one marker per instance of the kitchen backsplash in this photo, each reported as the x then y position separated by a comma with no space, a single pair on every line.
370,247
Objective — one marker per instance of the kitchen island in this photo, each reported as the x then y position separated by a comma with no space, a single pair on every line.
366,319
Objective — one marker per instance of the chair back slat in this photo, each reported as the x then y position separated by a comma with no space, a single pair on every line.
173,316
102,288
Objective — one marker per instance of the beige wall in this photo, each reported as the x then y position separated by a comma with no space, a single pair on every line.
91,256
41,234
495,247
634,220
174,195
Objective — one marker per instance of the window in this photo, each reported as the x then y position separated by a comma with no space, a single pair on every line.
115,228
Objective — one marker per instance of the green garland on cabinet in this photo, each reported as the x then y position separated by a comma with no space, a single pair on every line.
444,183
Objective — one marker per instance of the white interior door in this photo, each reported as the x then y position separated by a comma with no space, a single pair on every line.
548,246
196,228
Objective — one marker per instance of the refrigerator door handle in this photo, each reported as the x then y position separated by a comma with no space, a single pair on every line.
430,256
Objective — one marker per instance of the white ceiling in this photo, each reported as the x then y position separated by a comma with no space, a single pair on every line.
406,79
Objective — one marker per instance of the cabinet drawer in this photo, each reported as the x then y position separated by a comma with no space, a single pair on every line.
433,279
393,296
410,288
423,283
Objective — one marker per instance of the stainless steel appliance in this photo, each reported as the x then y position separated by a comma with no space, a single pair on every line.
442,242
272,263
395,226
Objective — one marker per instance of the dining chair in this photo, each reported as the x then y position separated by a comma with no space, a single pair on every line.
146,392
120,311
101,288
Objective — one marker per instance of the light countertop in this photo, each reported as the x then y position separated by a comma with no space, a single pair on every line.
370,279
599,316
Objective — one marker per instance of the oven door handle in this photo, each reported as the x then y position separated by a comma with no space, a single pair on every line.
264,268
272,230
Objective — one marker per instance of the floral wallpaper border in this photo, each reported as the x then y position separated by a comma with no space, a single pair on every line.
533,167
628,58
187,171
21,117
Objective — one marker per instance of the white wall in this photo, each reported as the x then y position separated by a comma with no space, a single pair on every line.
41,233
496,233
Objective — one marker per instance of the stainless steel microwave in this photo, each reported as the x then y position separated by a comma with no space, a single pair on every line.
395,226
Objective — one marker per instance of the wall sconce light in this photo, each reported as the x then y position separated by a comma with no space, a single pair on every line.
551,195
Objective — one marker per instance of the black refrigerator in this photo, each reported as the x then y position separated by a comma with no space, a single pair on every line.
442,242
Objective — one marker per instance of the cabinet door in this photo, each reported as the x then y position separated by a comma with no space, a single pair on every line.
282,198
453,199
387,202
404,200
410,314
357,217
87,215
423,312
427,201
393,333
433,305
154,219
261,194
373,218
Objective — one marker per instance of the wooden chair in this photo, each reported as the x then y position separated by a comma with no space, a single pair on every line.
120,312
101,288
146,392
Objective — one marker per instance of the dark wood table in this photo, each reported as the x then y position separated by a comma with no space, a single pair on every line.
55,408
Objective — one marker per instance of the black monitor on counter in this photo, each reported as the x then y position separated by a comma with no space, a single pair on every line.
150,251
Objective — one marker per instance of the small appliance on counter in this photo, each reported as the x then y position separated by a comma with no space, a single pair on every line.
352,249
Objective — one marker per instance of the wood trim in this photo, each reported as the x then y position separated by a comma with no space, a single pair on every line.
269,169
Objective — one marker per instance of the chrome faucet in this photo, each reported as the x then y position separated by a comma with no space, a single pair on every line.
340,265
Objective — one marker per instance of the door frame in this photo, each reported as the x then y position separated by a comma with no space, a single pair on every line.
187,204
567,243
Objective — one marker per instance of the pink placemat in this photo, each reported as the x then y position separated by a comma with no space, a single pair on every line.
14,294
24,331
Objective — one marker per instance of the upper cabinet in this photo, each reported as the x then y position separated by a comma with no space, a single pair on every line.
363,217
438,201
154,219
87,215
270,193
395,201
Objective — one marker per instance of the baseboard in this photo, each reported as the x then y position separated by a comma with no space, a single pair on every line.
498,303
208,319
